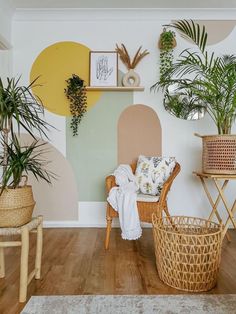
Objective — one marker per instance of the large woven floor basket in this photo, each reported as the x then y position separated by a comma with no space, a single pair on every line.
16,206
219,154
188,252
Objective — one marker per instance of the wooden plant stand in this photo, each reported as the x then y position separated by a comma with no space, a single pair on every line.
36,226
216,178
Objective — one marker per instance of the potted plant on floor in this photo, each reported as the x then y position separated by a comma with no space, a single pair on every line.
20,109
208,81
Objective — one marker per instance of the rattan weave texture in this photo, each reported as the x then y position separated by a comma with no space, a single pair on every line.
219,154
188,252
16,206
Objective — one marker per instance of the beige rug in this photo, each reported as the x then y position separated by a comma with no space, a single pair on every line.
139,304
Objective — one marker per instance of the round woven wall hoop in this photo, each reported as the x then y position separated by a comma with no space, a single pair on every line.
187,252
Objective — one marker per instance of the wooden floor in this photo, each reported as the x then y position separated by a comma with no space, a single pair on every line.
75,262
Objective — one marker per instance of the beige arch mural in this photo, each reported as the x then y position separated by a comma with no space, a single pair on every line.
217,30
58,201
139,133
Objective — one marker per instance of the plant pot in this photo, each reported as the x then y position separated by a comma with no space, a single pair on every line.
16,206
160,46
131,79
219,154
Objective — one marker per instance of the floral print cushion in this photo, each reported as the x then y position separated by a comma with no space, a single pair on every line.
152,172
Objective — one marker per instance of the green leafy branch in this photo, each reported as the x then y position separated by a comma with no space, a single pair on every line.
24,159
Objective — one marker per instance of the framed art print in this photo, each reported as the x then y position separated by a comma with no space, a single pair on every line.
103,68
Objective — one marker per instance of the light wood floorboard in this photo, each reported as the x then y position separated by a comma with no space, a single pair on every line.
75,262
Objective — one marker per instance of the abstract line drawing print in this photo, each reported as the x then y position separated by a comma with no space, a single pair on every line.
102,68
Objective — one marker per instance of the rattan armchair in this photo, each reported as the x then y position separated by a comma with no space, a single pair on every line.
145,209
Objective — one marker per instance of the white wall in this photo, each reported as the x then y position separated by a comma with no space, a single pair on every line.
5,64
5,21
5,40
101,30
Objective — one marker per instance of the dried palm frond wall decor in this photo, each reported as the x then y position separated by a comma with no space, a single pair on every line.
131,78
125,57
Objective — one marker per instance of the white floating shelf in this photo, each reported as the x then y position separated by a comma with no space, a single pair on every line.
115,88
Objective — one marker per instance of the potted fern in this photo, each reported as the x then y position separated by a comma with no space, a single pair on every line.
20,109
209,82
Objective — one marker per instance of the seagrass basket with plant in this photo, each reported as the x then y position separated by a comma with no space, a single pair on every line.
209,82
20,109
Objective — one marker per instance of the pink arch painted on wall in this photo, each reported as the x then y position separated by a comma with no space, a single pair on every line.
139,133
58,201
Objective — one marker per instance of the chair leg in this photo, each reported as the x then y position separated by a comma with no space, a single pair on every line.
39,248
2,263
166,211
24,264
108,231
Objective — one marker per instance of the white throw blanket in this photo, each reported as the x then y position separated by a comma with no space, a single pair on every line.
124,200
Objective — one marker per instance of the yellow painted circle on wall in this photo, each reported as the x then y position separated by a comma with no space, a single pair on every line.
54,65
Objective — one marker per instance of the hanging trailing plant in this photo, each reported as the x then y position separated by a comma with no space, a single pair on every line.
167,43
76,93
175,104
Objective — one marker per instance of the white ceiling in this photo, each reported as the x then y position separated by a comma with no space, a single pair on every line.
39,4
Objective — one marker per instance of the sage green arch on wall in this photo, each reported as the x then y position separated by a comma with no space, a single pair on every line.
93,153
139,133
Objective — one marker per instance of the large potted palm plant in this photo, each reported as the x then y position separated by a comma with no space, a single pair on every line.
209,82
19,109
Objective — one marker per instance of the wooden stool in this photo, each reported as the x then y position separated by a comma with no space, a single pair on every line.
25,278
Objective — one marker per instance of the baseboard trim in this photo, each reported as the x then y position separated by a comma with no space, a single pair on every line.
77,224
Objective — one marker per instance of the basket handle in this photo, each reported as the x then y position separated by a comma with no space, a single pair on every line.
26,179
198,135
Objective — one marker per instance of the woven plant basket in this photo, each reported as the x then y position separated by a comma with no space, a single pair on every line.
16,206
219,154
187,252
160,46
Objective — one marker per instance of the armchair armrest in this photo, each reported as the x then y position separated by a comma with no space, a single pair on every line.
167,185
110,182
